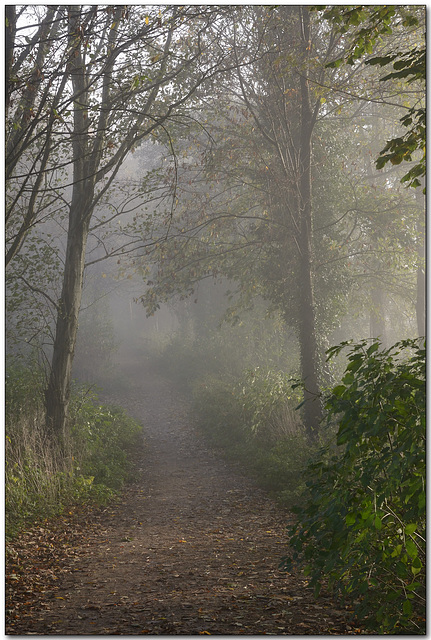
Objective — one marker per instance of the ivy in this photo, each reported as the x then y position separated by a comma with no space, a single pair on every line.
362,527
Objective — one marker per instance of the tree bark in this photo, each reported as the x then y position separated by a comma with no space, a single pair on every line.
57,394
10,15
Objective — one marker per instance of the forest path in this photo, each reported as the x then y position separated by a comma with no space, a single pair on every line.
192,548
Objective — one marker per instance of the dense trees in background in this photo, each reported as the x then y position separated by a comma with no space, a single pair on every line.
263,173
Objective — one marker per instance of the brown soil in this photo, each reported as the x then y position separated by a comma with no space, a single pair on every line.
192,547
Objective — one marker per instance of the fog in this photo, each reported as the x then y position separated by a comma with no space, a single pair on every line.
237,213
215,312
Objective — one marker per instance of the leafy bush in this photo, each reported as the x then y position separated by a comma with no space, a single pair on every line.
362,527
280,467
103,438
23,391
269,401
219,411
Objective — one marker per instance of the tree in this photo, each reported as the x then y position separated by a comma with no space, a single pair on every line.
364,27
124,72
273,99
244,207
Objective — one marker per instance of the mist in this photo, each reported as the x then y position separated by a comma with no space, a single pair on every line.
204,231
215,319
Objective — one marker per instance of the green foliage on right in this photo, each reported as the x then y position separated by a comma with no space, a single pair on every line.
362,527
366,25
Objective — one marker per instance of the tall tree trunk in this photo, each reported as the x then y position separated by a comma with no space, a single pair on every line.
10,16
57,394
307,326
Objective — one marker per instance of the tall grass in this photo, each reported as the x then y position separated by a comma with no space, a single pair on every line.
43,477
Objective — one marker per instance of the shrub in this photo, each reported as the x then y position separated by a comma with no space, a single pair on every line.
103,437
23,391
280,467
219,411
269,401
362,527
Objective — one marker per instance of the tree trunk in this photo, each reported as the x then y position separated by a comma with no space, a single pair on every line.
420,272
307,327
57,394
309,358
377,315
10,15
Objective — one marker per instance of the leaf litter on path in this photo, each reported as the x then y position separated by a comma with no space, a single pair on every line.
192,548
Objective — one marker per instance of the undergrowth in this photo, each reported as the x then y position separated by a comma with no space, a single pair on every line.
42,478
361,527
253,420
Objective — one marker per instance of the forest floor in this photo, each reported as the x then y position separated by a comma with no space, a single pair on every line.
192,548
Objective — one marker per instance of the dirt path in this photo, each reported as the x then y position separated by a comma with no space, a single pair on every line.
192,548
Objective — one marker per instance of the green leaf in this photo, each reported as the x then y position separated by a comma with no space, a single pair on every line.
350,519
372,348
411,548
422,500
410,528
407,608
378,523
339,390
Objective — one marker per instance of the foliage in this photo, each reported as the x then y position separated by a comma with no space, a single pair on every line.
23,391
268,401
366,25
42,478
104,436
219,412
253,422
362,527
